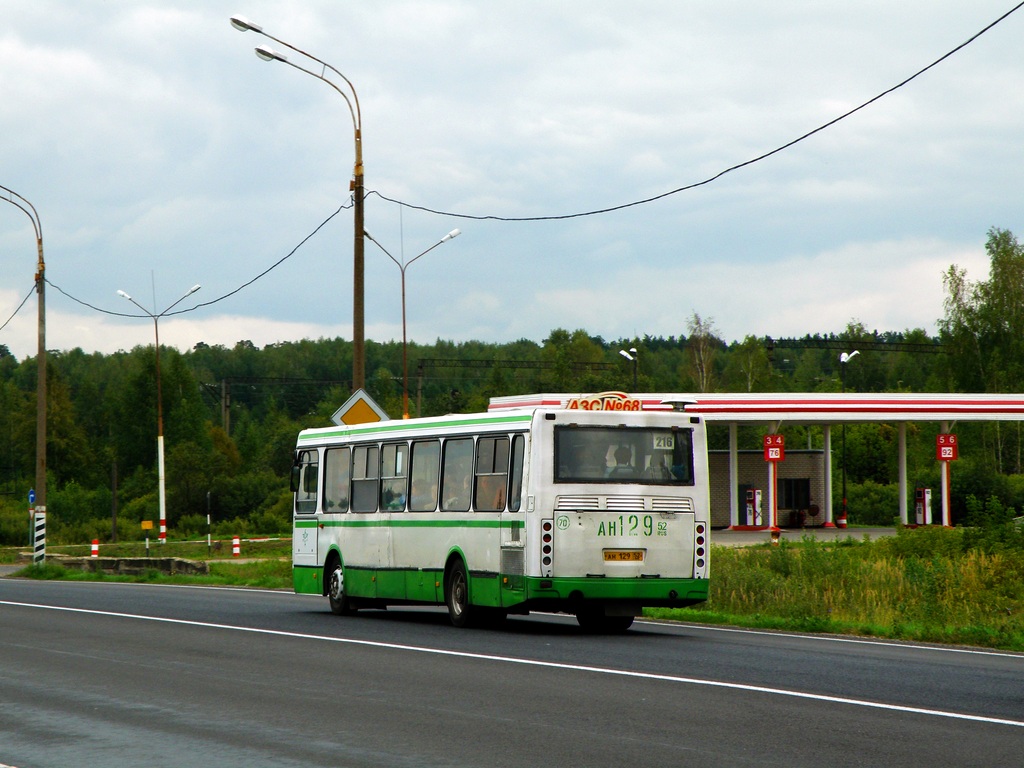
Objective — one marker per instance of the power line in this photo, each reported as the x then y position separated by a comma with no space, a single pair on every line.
875,345
720,174
595,212
246,284
31,291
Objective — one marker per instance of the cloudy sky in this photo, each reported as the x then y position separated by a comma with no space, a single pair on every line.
160,152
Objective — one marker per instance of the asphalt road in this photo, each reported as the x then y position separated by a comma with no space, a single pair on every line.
139,675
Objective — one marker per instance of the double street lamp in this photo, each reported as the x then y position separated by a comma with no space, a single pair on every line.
160,404
29,210
402,266
632,356
269,54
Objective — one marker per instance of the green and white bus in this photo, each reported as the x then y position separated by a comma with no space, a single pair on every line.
593,513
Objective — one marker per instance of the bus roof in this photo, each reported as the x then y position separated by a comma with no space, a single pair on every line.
396,427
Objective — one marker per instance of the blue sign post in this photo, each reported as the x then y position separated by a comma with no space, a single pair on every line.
31,515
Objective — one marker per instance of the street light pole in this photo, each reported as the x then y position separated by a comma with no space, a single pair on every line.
402,266
844,358
358,271
29,210
160,405
634,358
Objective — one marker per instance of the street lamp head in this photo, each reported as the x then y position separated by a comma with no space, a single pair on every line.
626,354
193,289
454,233
124,295
848,356
242,24
267,53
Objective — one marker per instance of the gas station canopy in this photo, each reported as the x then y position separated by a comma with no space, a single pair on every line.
777,409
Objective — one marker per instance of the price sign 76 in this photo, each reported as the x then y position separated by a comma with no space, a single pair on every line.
774,447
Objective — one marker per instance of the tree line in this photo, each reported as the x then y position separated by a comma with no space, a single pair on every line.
231,415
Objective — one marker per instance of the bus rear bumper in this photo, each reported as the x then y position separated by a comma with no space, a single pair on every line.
568,594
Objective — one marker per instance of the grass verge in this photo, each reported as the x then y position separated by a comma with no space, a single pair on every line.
936,586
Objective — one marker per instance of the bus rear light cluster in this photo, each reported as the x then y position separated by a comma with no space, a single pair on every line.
700,541
546,538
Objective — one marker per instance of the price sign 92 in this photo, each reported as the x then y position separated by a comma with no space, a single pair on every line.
946,447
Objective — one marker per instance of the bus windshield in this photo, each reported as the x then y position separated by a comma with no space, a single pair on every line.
619,454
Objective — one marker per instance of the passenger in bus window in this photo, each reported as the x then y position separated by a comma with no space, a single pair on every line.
457,497
490,493
623,468
424,495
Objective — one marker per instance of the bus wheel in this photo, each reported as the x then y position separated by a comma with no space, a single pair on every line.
594,621
456,595
340,603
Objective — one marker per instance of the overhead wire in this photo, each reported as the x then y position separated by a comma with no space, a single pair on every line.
244,285
581,214
720,174
27,296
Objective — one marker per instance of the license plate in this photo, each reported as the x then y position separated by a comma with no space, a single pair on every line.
623,555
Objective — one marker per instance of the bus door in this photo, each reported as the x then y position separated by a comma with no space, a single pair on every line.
304,483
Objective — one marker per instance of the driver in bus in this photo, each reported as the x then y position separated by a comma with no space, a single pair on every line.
622,467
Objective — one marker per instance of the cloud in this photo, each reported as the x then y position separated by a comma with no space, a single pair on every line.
160,153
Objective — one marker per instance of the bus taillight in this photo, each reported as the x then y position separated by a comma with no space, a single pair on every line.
699,542
546,546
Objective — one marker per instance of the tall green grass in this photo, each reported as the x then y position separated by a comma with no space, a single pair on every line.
928,585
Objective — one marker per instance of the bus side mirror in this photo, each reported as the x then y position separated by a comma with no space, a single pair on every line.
296,475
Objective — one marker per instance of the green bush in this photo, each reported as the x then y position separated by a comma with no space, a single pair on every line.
14,525
870,503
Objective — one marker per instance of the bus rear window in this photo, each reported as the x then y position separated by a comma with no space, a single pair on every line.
587,454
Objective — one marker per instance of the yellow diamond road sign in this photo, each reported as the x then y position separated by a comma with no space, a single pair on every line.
359,409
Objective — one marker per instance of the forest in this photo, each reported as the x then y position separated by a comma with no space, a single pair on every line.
231,415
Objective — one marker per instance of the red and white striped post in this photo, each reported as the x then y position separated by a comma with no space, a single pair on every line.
236,546
95,548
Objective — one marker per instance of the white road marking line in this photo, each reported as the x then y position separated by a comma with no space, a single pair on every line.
537,663
836,639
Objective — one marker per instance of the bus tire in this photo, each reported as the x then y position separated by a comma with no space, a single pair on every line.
594,621
456,595
341,604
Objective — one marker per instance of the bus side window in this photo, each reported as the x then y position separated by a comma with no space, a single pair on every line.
456,475
364,478
491,473
515,492
337,473
393,476
426,461
309,469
